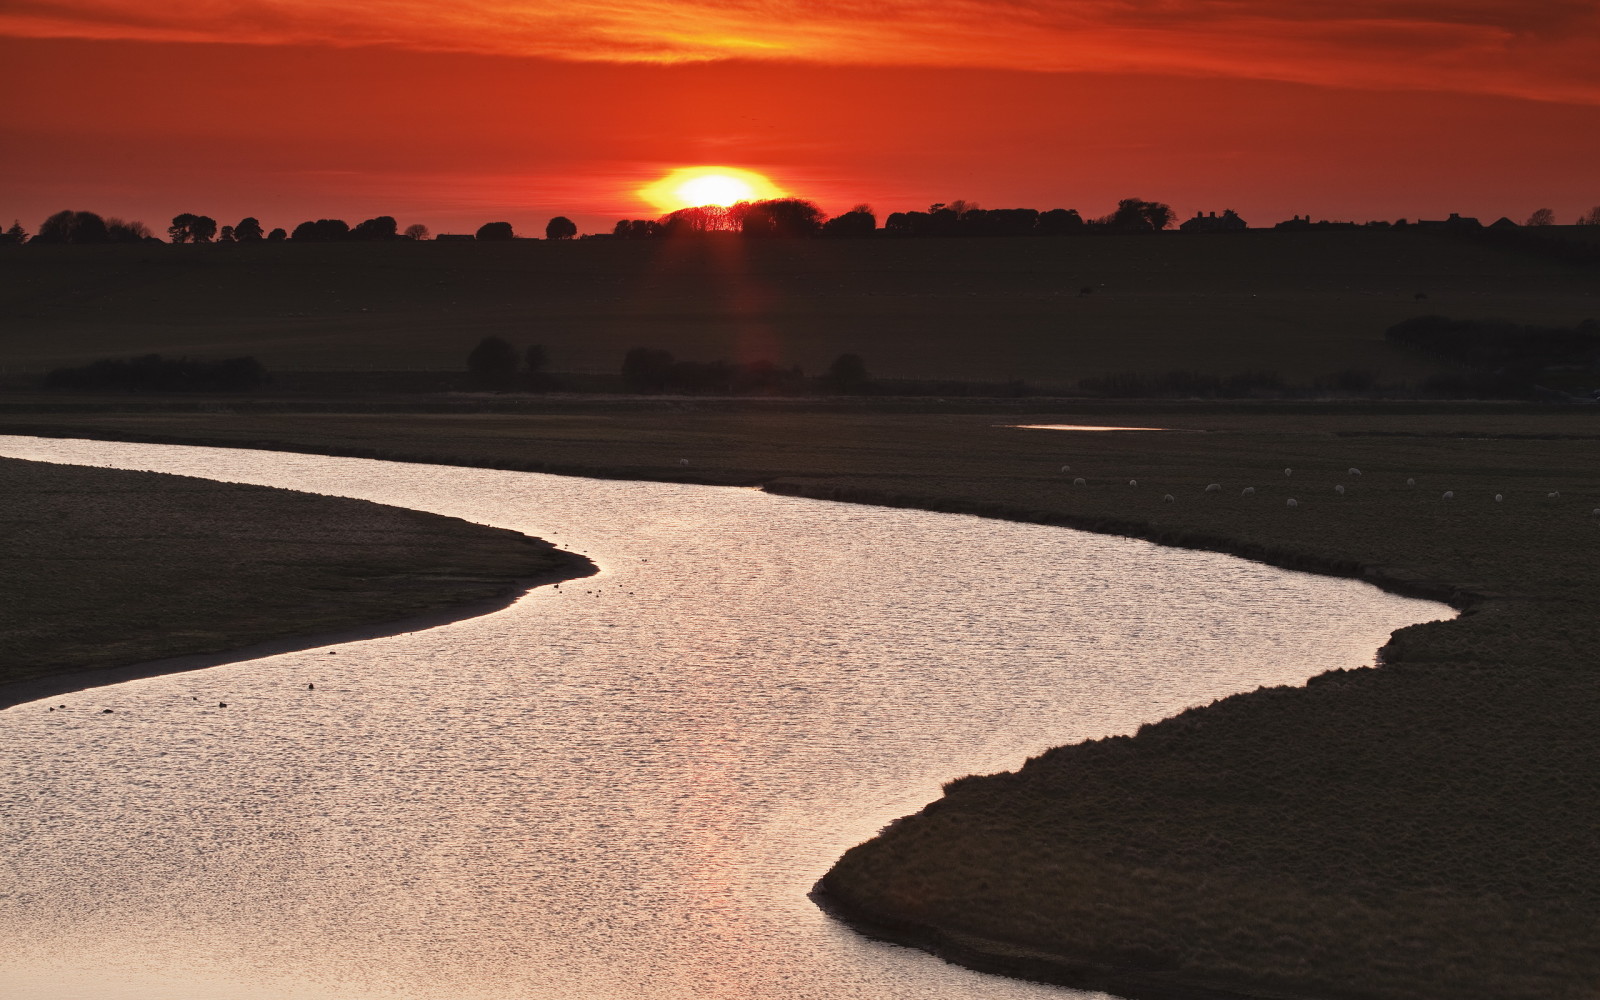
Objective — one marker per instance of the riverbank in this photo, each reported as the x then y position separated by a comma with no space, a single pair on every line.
1418,830
113,575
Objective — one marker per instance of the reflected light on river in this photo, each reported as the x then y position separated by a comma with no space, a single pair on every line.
619,789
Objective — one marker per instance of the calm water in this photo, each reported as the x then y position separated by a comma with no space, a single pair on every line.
619,789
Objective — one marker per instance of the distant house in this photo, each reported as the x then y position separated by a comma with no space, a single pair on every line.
1227,222
455,236
1454,224
1299,224
1503,223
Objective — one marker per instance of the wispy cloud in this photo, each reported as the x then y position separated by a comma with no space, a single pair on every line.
1549,50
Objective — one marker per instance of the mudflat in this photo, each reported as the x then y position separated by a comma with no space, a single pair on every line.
109,568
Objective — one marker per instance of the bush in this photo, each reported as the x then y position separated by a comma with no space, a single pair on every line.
153,373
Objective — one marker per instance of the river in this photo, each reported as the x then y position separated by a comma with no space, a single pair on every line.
619,788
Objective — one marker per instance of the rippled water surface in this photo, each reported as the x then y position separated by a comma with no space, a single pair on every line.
619,789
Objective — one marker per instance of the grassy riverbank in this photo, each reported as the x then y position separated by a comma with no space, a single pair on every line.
106,568
1424,829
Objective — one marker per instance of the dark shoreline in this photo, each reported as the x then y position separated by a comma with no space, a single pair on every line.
36,689
997,958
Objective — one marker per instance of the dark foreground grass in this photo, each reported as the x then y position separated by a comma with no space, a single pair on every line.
105,568
1301,305
1425,829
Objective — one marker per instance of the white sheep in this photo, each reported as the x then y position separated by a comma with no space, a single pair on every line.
1214,488
1293,502
1449,495
1552,496
1080,481
1166,498
1339,489
1288,472
1353,471
1133,482
683,461
1596,512
1411,482
1249,491
1066,468
1498,497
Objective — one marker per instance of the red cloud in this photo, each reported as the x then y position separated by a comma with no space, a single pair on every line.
1546,51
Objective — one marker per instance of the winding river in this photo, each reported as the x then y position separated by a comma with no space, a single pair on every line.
621,788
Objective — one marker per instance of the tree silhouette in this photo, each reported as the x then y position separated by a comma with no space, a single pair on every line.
321,231
248,230
857,222
780,217
277,235
72,227
1592,219
847,374
382,228
535,358
1542,217
560,228
16,234
699,219
637,229
190,228
496,231
118,231
417,231
493,363
1135,215
1060,222
646,369
226,236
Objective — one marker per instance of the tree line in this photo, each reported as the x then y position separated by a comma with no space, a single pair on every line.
777,217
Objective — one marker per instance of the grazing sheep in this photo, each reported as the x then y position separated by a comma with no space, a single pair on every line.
1339,489
1411,482
1066,468
1288,472
1214,488
1499,497
1080,481
1449,495
1249,491
683,461
1166,498
1552,496
1133,482
1353,471
1293,502
1595,513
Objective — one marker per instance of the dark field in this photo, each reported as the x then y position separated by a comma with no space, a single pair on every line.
106,567
1300,305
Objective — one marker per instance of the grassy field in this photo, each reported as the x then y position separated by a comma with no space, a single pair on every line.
1420,830
107,567
1302,305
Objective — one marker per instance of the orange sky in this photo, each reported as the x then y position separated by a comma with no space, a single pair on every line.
454,114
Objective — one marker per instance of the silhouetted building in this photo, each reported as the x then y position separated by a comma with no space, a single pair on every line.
1456,223
1227,222
1299,224
455,236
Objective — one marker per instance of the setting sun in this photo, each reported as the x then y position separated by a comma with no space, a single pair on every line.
690,187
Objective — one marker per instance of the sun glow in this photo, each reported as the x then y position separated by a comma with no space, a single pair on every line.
691,187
